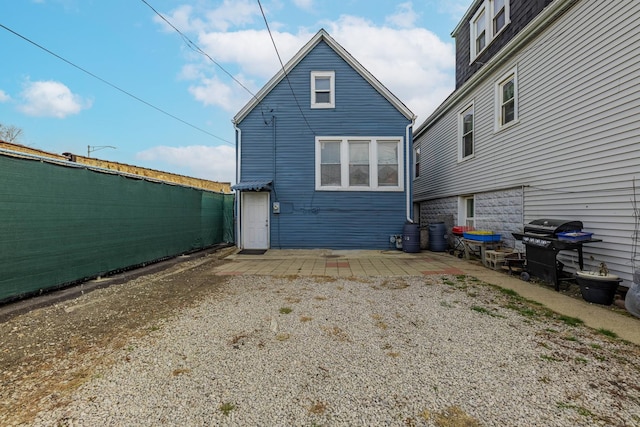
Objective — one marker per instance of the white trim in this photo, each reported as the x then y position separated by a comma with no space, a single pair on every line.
238,176
511,74
408,194
332,89
322,35
460,141
462,210
373,164
416,155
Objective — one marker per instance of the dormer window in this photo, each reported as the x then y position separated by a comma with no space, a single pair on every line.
489,20
499,15
323,89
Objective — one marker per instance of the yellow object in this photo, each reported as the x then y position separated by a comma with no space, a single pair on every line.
480,232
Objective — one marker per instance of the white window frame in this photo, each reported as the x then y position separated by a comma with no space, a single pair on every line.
373,163
462,211
487,7
332,89
416,162
461,134
511,74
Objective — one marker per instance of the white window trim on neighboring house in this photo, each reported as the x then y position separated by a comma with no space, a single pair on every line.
331,75
487,14
373,184
511,75
462,134
416,162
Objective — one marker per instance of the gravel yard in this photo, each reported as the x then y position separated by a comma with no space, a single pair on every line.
268,350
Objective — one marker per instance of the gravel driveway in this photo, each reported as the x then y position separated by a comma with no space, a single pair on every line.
318,351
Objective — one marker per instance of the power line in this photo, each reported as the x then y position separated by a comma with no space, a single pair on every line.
197,48
114,86
286,76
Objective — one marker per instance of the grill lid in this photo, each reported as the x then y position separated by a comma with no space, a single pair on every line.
550,227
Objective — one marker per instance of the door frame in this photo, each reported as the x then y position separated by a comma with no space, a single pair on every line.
243,229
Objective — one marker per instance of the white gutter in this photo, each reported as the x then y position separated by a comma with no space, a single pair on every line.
408,187
238,176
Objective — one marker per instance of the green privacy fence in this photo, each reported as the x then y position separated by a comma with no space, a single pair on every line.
61,224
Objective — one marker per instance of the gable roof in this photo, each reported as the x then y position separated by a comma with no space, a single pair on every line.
322,35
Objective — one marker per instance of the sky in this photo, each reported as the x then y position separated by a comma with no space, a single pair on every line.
114,80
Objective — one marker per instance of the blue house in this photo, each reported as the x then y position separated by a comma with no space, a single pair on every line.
323,156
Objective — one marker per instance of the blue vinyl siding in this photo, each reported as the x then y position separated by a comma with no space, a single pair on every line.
321,219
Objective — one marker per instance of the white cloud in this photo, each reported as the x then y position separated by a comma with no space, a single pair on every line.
405,16
304,4
454,8
410,61
4,97
413,63
230,13
207,162
51,99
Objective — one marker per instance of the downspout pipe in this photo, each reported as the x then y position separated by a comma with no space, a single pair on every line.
238,176
409,185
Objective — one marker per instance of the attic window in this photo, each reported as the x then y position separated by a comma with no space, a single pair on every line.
323,89
491,18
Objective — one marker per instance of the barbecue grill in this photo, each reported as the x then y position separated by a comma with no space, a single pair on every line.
543,245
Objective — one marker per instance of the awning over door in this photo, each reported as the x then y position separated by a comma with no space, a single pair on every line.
252,186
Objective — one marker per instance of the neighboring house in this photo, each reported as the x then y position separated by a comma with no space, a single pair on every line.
322,153
544,123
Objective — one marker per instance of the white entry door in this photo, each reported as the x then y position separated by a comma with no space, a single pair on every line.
255,220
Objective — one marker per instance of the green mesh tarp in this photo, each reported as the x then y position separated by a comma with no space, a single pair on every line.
61,224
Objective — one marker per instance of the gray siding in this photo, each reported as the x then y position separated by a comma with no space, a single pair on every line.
576,147
278,143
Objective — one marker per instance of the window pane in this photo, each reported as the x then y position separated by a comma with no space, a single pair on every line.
470,208
359,164
330,152
480,25
467,142
323,97
508,112
388,163
467,132
330,175
508,91
359,153
359,175
387,153
498,22
467,123
388,175
330,163
323,83
508,102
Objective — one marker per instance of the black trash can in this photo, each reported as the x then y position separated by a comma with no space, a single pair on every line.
411,238
438,237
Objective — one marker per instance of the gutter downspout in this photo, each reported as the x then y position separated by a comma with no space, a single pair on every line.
409,186
238,175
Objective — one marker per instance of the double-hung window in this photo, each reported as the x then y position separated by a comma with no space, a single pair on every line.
466,146
416,162
323,89
491,18
359,164
507,99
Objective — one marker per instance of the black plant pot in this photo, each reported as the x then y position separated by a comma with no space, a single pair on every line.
598,289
